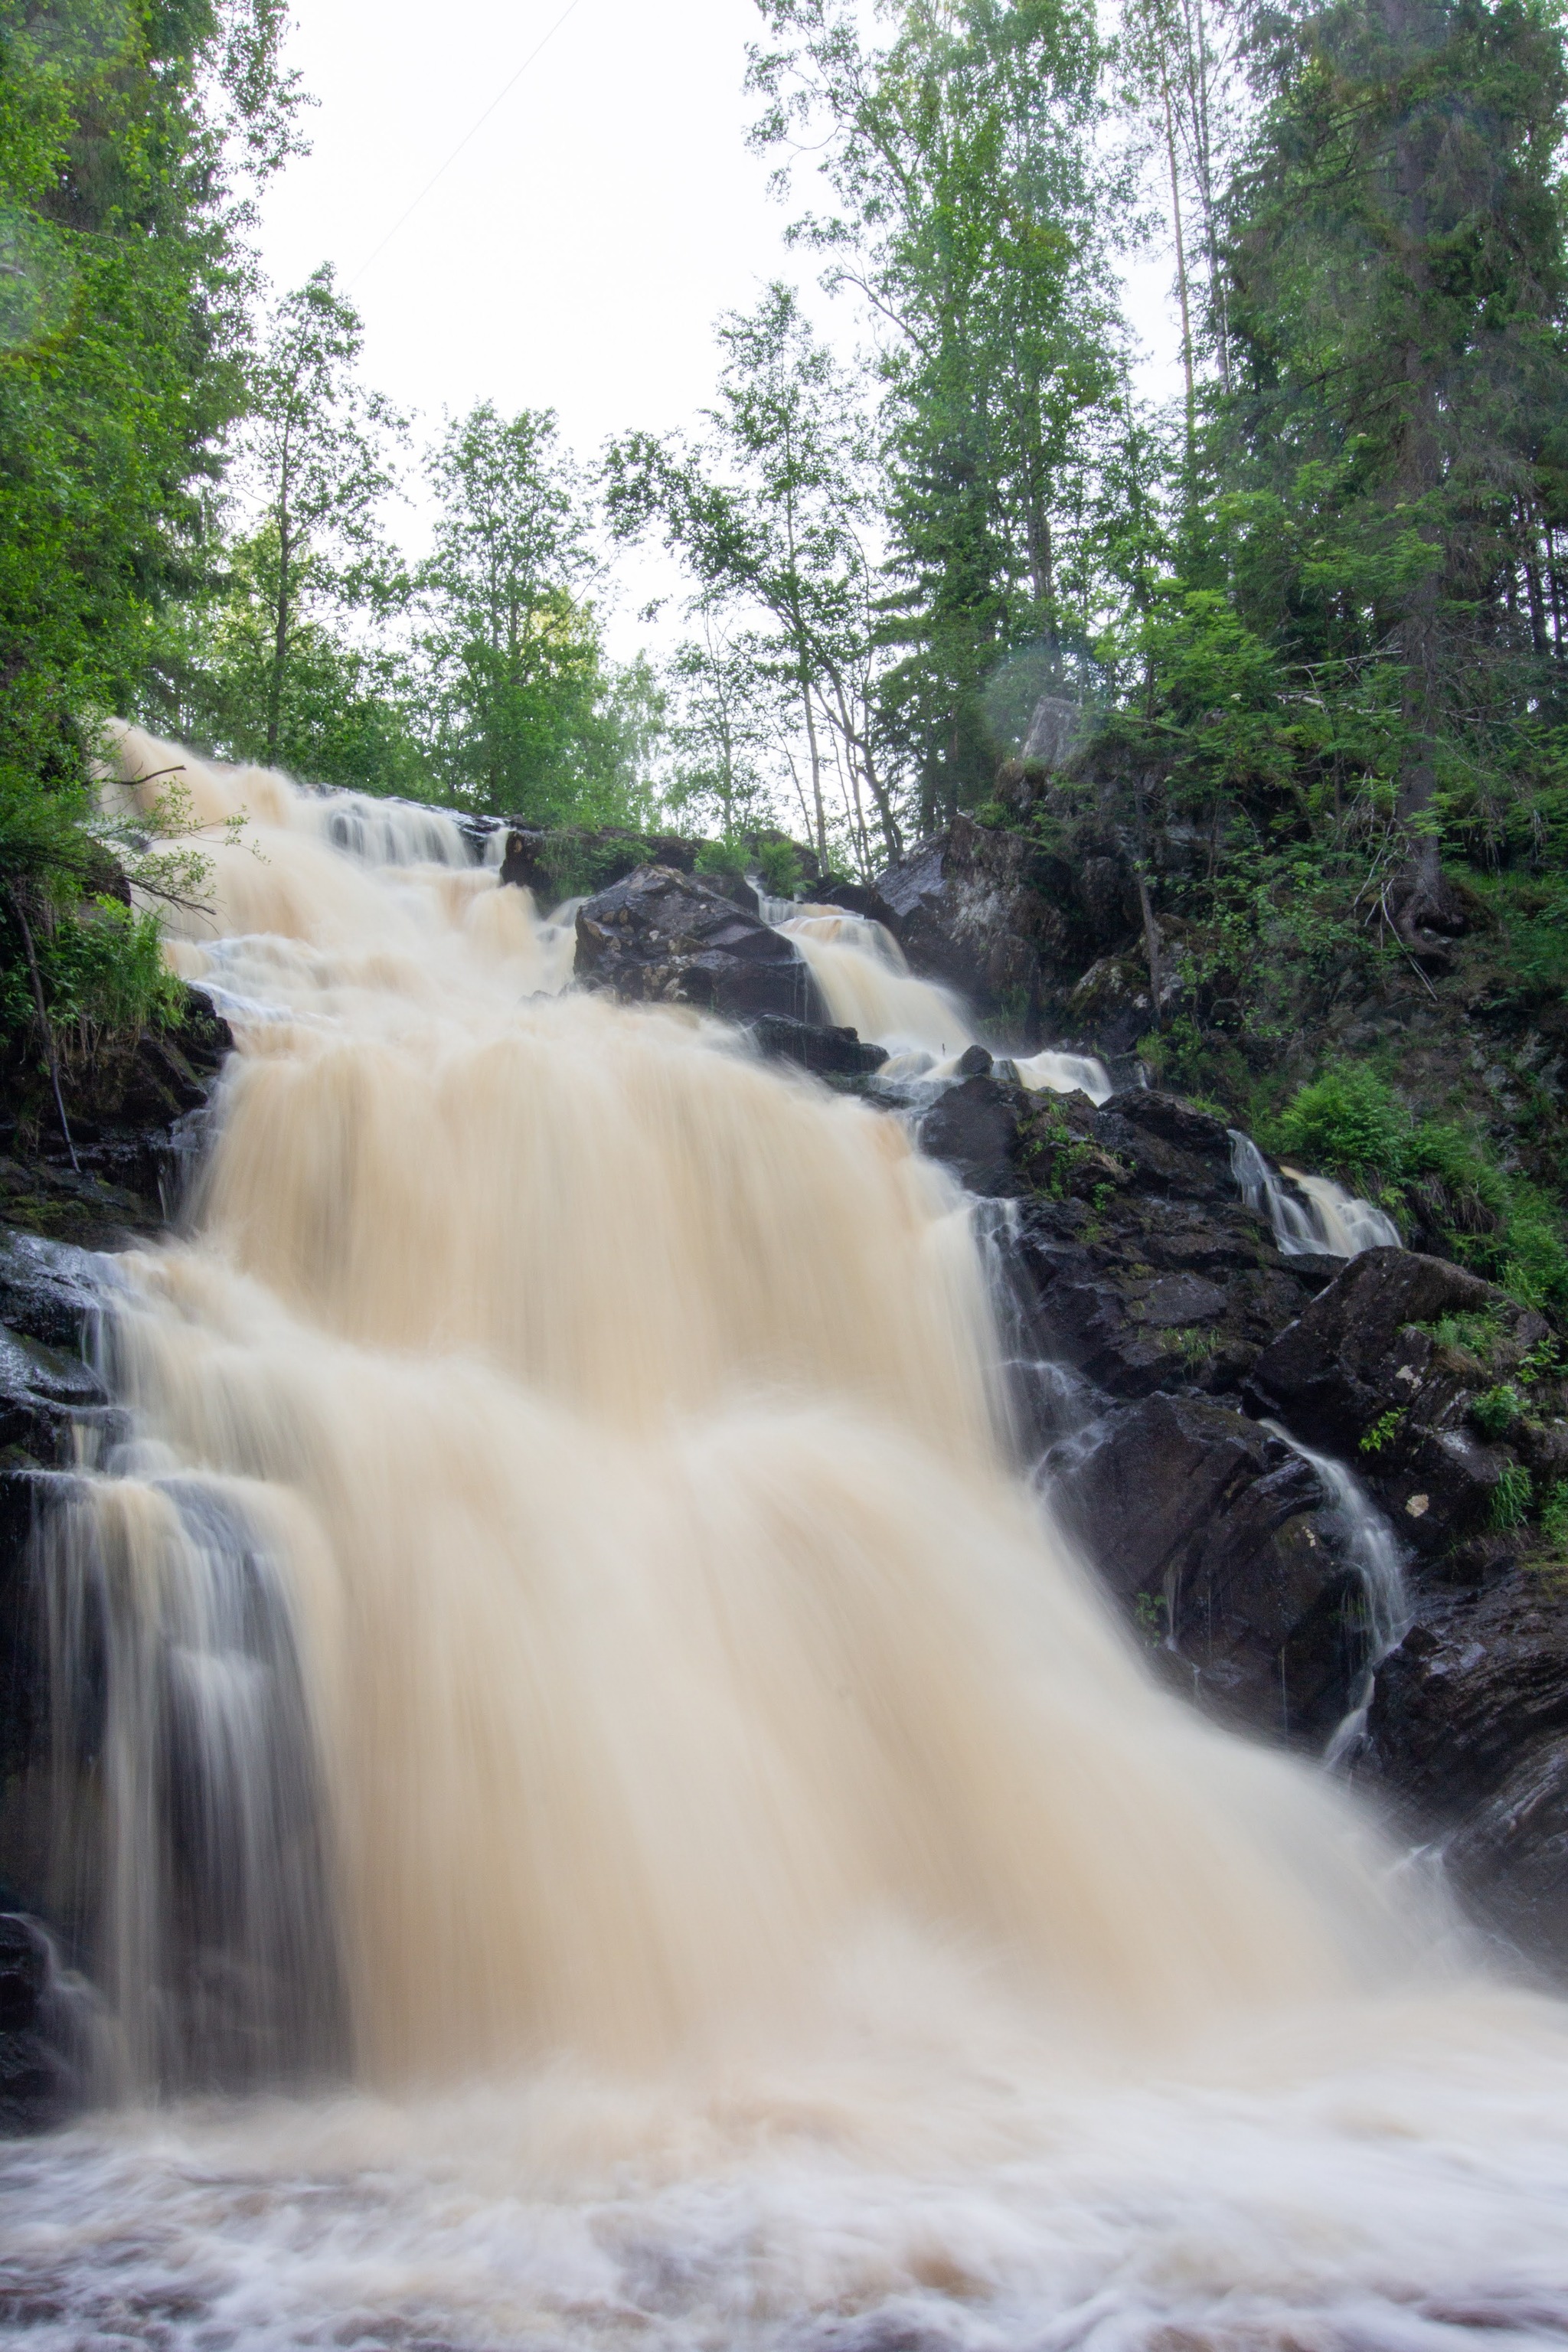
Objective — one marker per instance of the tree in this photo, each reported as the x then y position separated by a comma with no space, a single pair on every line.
723,731
1399,316
132,141
972,220
531,720
316,464
772,511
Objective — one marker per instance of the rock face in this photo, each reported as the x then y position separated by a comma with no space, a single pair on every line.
1362,1373
561,862
664,938
827,1053
997,917
1226,1551
132,1118
1140,1292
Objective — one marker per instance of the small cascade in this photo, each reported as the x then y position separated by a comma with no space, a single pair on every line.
388,831
1311,1216
861,975
1373,1549
186,1806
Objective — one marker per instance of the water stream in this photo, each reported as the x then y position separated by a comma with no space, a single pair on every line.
612,1816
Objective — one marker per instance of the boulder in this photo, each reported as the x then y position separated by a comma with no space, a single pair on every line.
991,913
826,1052
664,938
1229,1556
1510,1856
1469,1732
557,862
1362,1373
973,1126
859,898
1479,1680
46,2022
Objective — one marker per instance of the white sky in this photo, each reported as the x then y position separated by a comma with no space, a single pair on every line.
578,251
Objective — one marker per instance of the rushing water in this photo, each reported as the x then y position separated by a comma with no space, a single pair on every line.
1310,1215
572,1733
863,979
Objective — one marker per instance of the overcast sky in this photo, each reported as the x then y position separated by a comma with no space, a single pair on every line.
579,250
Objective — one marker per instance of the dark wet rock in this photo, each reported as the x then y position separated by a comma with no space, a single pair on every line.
49,1291
973,1128
826,1052
560,862
45,1395
1167,1145
1224,1549
1362,1373
1478,1680
859,898
1510,1858
1142,1268
664,938
133,1112
1469,1733
991,913
45,2031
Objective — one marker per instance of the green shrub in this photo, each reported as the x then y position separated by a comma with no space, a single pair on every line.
779,865
1495,1410
1511,1496
102,972
1383,1430
1554,1515
1348,1120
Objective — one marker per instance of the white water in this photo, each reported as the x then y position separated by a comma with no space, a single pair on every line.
860,972
1374,1549
1310,1215
770,1904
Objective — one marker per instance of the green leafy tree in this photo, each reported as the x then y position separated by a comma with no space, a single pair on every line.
316,468
131,143
1392,456
531,720
723,732
971,219
772,511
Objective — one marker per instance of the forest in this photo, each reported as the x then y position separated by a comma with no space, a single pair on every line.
1297,622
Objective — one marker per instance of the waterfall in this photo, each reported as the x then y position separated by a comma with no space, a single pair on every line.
861,975
1371,1545
565,1650
1310,1215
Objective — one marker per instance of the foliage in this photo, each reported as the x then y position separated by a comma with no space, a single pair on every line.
771,511
1496,1410
969,214
530,721
1383,1430
133,139
1352,1122
1512,1495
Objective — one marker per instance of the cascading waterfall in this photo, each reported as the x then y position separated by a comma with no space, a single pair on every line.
1374,1549
863,979
1309,1215
564,1645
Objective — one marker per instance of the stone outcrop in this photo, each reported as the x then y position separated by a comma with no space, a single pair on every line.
134,1117
1230,1559
664,938
1364,1373
999,918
